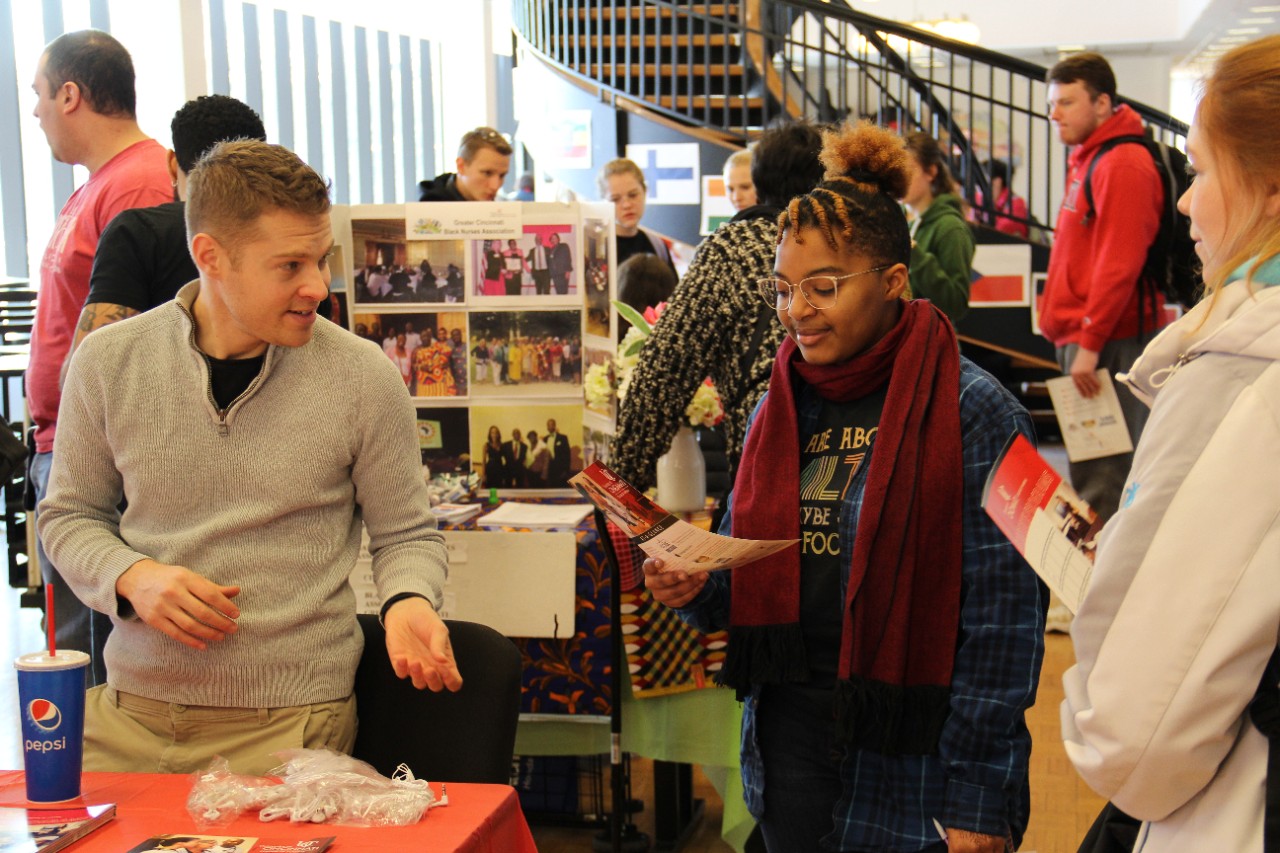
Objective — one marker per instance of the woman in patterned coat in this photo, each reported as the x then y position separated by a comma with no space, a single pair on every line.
714,324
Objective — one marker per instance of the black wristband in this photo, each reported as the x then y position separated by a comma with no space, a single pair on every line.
400,596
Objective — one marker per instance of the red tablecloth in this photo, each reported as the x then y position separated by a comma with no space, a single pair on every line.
478,819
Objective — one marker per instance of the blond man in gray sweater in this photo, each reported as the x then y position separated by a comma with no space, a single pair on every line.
250,439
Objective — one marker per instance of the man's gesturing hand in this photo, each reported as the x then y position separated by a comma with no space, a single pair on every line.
419,647
179,603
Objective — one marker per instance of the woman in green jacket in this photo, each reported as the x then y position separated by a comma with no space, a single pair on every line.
941,242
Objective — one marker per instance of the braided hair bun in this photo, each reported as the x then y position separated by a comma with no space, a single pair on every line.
868,170
867,155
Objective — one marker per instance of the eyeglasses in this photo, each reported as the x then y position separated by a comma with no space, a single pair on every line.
820,291
488,134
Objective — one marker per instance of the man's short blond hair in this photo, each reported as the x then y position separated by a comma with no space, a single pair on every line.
475,141
237,182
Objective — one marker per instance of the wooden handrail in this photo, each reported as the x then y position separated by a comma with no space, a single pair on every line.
1020,359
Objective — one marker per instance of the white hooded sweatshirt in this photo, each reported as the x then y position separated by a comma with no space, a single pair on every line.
1183,611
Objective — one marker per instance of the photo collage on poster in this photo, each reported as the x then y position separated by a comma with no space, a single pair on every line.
489,327
600,325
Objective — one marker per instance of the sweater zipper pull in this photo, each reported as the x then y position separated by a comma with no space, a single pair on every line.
1164,374
223,429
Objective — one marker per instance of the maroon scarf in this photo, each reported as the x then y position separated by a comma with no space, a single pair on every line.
902,609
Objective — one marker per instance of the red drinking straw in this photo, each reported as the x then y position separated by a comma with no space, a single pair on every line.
48,619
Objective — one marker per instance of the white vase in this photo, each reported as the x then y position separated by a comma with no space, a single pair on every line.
682,475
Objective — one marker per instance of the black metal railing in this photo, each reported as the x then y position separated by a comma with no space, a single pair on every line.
734,67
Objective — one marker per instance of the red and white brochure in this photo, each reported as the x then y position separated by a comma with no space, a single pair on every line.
1053,529
658,533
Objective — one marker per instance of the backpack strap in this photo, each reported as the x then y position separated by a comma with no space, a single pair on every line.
745,362
1088,218
1088,175
748,358
1264,710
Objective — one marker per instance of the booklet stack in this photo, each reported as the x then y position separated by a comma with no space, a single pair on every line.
47,830
451,513
230,844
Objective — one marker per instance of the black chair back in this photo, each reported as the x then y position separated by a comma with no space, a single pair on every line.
468,736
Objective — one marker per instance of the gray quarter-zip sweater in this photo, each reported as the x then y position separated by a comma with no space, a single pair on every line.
267,495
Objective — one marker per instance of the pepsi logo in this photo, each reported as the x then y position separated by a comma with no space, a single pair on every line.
44,714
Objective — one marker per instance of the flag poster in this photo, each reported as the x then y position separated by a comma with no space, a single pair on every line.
671,171
1001,274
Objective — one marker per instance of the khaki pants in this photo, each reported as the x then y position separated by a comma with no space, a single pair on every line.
127,733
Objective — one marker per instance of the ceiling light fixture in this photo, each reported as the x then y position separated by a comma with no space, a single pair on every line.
1264,10
1257,20
957,29
1244,31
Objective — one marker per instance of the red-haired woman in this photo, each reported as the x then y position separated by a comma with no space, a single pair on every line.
1176,635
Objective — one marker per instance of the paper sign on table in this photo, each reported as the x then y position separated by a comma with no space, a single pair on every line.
535,515
658,533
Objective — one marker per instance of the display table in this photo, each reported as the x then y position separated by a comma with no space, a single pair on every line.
478,819
566,697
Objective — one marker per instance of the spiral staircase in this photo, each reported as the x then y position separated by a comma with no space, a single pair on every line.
725,70
721,72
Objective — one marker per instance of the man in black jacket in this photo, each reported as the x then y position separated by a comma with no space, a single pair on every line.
561,263
558,465
484,157
142,256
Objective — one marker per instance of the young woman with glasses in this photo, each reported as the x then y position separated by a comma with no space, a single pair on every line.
887,661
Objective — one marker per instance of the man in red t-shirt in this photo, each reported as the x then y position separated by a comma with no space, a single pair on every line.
85,102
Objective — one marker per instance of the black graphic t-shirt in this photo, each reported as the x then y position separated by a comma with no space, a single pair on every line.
833,462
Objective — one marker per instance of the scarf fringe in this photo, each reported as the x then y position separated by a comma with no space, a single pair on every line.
763,654
891,719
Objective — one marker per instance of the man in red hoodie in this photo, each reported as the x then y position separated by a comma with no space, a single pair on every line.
1092,312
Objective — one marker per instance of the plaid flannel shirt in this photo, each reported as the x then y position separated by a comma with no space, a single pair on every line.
977,779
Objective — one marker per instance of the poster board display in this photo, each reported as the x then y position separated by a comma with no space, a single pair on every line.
490,308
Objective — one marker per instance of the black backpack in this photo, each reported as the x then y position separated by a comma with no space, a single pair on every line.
1172,268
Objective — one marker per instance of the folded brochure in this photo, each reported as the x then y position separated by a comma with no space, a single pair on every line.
1092,427
192,842
1049,524
658,533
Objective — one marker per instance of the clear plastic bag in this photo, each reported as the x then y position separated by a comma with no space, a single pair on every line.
316,786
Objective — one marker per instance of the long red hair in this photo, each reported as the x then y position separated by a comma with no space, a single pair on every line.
1238,120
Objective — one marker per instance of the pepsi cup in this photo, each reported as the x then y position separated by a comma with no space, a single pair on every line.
51,693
